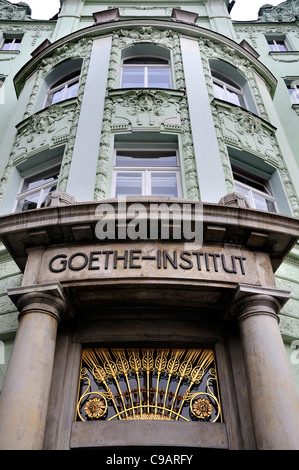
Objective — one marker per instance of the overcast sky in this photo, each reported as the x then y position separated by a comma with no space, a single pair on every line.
242,10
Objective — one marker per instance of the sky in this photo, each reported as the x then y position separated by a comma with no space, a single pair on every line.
243,9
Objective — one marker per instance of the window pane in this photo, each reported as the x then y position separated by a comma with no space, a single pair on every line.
56,97
164,184
40,182
145,60
235,98
260,202
219,92
158,77
11,44
145,159
128,184
133,77
29,202
281,45
71,91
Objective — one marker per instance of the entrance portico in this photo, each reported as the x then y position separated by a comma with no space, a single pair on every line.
74,295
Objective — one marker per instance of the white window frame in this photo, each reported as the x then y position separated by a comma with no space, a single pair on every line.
15,43
145,68
267,194
147,171
294,92
41,188
276,46
63,86
238,90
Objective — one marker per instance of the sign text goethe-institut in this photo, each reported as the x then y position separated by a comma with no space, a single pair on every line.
150,260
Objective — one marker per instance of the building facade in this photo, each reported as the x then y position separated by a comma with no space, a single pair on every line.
149,224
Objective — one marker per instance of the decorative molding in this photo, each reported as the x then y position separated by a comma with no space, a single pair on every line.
252,31
240,128
10,11
146,109
284,12
50,116
36,31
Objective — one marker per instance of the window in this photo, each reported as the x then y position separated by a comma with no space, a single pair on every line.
11,44
145,72
257,190
63,89
293,87
36,188
144,172
277,44
227,90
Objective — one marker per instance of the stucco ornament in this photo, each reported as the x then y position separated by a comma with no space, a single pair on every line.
287,11
9,11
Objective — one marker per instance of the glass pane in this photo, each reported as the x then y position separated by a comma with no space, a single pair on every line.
145,158
11,45
39,182
235,98
164,184
145,60
56,97
260,202
158,77
71,91
281,45
128,184
271,206
246,192
132,77
219,92
271,45
45,194
29,202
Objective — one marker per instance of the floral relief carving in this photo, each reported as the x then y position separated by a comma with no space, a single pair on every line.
52,115
167,110
149,108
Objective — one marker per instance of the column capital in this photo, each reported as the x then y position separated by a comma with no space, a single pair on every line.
47,298
253,300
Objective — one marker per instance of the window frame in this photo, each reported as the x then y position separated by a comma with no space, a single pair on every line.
145,69
293,89
66,83
147,171
267,195
275,41
237,89
53,169
14,40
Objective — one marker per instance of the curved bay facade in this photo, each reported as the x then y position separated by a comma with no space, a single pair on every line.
149,226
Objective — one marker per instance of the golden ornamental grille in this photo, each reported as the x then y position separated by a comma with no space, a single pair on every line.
148,384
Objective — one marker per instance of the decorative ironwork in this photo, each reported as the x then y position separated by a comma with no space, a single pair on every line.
148,384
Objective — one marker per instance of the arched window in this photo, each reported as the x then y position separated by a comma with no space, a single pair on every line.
228,90
145,66
231,86
63,89
145,72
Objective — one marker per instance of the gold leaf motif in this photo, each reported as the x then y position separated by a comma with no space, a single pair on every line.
202,408
95,407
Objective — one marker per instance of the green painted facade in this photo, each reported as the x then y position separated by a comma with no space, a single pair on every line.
211,134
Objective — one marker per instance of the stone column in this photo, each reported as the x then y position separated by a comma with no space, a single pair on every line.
25,393
274,399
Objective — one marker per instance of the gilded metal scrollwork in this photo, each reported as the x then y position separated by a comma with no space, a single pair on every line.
148,384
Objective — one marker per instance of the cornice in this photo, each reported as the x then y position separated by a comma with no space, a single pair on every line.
183,29
274,234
